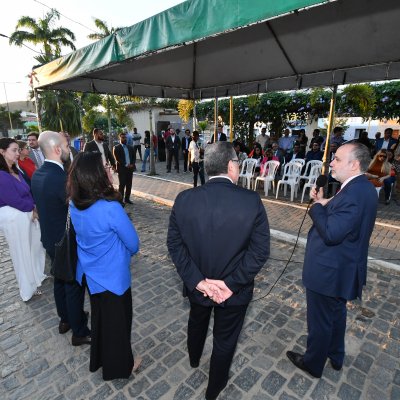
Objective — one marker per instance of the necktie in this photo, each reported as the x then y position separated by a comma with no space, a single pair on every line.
38,158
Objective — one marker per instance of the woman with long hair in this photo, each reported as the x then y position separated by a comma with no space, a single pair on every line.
18,222
106,241
379,169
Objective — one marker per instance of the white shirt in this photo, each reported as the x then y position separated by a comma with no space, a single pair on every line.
194,151
101,149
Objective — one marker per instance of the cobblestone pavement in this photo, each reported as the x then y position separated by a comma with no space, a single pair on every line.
38,363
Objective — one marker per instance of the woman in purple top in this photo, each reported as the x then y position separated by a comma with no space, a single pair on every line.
18,222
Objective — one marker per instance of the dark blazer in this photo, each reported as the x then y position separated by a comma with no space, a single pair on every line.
219,231
119,155
335,262
379,143
92,146
48,189
222,138
185,143
173,146
299,155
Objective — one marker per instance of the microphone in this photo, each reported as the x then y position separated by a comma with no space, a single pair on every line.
322,180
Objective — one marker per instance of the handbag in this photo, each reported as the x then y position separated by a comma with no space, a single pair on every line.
65,260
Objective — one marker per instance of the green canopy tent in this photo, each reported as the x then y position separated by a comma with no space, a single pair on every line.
202,49
217,48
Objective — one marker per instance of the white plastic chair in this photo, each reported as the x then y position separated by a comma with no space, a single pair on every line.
291,177
308,168
300,161
312,178
247,172
268,175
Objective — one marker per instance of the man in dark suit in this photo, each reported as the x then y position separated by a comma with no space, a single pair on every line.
48,189
124,156
295,154
221,137
173,143
97,144
235,223
335,264
185,149
387,142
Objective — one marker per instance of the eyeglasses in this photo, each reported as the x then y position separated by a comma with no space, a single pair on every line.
235,160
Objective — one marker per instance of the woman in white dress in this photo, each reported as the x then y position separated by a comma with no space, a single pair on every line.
18,222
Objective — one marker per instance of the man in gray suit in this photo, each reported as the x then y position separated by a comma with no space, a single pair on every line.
35,153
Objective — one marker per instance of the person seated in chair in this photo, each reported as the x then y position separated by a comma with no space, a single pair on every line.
295,154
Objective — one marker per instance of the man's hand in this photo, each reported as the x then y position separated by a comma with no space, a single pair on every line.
318,197
223,291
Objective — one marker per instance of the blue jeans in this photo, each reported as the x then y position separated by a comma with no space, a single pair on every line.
145,157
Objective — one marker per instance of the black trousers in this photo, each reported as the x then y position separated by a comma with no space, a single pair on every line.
69,299
326,323
125,182
185,159
228,322
173,154
135,149
111,334
198,170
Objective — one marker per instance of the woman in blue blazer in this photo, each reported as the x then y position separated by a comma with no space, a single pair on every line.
106,241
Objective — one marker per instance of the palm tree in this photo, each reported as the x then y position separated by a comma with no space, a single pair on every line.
41,32
103,30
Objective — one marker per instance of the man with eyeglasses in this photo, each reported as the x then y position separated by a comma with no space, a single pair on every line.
234,221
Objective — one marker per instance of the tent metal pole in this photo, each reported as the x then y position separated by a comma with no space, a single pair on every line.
231,118
215,118
152,159
326,161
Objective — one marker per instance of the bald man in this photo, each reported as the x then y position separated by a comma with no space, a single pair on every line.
49,192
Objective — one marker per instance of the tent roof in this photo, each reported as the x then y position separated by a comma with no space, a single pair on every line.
202,49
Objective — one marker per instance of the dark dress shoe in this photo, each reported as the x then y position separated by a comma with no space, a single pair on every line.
63,327
194,364
298,361
335,366
79,341
128,201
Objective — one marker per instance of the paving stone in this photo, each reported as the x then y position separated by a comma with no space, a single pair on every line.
286,396
299,385
35,367
196,379
247,379
103,393
323,390
183,393
273,383
347,392
370,348
373,393
396,379
363,362
395,393
356,378
274,349
231,392
138,386
173,358
380,376
157,372
80,391
262,362
158,390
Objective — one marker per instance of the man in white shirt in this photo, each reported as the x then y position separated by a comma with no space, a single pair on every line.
196,160
263,139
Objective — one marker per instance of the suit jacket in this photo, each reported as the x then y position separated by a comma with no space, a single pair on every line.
185,143
31,155
289,156
173,146
379,143
222,138
119,155
48,189
219,231
335,262
92,146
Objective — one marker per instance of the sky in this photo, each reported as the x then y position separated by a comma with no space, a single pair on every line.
16,62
